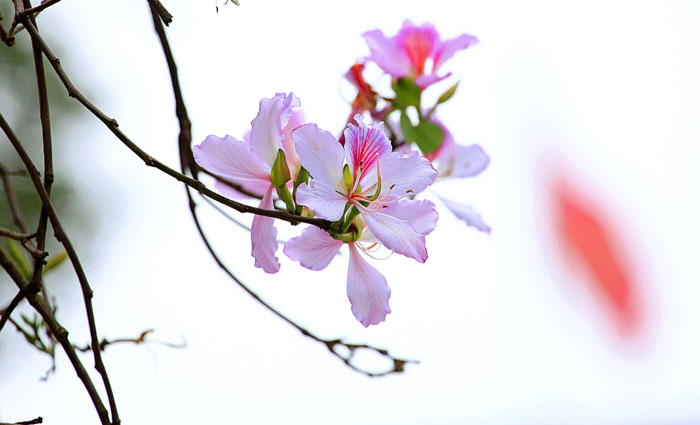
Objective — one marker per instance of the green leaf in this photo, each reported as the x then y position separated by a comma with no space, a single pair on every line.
407,129
429,136
19,258
407,93
54,261
448,94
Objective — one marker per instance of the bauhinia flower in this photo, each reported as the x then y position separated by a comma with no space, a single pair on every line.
408,53
250,163
364,177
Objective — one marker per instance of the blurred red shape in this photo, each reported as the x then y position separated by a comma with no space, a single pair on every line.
590,241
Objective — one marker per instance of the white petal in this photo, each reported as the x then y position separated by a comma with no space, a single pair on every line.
230,158
266,132
321,154
314,249
263,237
467,214
405,174
395,234
325,202
420,214
367,290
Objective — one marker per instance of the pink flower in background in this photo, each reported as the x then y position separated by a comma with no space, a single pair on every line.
374,181
407,53
249,163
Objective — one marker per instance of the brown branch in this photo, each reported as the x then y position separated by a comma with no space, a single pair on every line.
187,160
197,185
21,237
4,35
70,250
141,339
34,10
16,212
60,333
7,312
29,422
158,8
45,119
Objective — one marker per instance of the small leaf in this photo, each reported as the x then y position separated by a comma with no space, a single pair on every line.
27,320
407,129
448,94
407,93
429,136
19,258
54,261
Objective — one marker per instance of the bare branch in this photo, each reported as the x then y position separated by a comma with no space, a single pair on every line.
70,250
16,212
161,11
21,237
7,312
29,422
141,339
187,160
34,10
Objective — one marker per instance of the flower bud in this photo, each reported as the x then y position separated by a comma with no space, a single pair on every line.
280,174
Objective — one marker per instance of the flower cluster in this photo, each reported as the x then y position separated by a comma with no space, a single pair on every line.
367,181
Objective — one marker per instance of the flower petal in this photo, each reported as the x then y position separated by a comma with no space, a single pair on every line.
230,158
405,174
446,49
367,290
263,237
469,161
420,214
326,202
314,249
424,81
364,144
417,42
467,214
266,132
386,53
321,155
396,234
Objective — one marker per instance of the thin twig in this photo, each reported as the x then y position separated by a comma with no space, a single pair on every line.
70,250
34,10
141,339
7,312
4,35
197,185
29,422
60,333
21,237
187,161
45,119
15,210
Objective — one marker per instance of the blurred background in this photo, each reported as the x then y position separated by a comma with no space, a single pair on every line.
581,307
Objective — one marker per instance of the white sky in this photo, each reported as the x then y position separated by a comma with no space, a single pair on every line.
609,88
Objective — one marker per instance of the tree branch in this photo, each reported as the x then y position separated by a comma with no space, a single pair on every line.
161,11
70,250
187,161
16,212
29,422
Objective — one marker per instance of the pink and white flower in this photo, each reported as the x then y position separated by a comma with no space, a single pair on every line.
409,53
249,163
373,180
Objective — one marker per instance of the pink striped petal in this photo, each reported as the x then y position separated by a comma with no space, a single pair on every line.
263,237
364,144
367,290
230,158
314,249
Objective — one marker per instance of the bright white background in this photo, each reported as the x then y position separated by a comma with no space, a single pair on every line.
609,88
